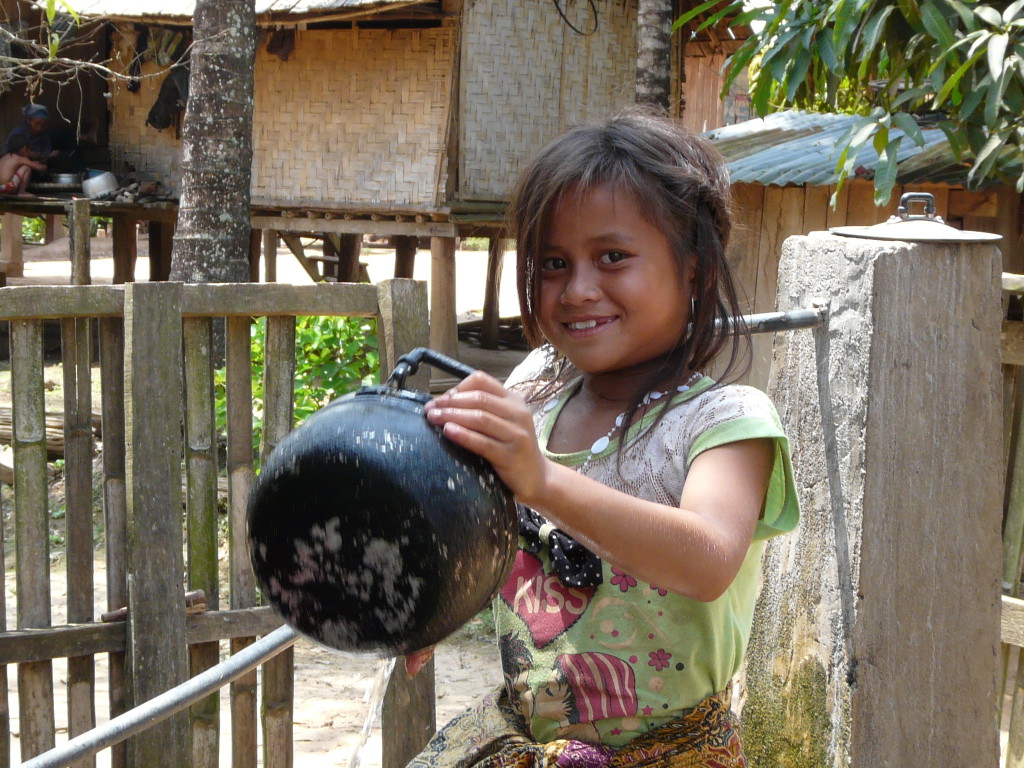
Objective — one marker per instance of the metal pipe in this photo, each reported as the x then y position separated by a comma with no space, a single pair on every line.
167,703
767,322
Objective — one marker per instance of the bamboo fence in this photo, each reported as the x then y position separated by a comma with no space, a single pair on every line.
162,537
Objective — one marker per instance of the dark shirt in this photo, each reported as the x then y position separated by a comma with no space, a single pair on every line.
40,144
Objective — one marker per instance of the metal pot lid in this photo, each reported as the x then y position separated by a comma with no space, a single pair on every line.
916,228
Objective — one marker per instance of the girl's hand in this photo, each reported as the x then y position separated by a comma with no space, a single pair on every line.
482,416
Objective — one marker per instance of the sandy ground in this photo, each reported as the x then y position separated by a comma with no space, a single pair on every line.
331,689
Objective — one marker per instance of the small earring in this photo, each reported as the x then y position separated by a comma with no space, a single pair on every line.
693,308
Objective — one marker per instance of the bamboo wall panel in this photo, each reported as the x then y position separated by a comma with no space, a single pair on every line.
515,97
352,115
134,146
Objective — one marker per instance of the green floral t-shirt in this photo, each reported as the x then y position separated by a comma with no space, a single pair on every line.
606,663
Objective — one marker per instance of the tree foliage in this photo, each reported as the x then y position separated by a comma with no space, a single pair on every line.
957,64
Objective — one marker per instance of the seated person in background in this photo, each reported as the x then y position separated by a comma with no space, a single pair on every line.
33,129
16,168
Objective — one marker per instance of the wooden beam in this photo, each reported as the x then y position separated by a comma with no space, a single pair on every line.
356,226
294,244
1012,338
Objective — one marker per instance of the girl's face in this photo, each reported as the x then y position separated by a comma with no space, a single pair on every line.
610,295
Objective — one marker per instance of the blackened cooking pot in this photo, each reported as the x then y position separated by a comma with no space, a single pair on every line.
370,532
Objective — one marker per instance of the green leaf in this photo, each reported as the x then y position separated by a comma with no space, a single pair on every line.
881,140
906,123
875,27
954,79
827,52
70,10
798,73
971,101
936,26
911,12
886,170
911,94
994,97
997,54
700,9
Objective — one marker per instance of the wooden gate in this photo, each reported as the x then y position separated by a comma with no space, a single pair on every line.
159,480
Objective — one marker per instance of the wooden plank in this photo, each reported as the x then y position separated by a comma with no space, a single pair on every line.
125,248
356,226
88,639
408,716
815,208
161,240
78,446
156,626
29,302
255,243
5,706
248,299
242,583
349,247
1011,624
79,229
836,215
495,258
782,216
1012,340
269,256
35,679
443,318
405,255
278,673
12,262
745,243
115,504
964,203
201,512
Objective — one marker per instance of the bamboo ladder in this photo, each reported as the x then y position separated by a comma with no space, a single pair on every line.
156,367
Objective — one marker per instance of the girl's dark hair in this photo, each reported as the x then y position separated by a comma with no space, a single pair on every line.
679,182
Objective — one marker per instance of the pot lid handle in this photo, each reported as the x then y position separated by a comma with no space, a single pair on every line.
408,365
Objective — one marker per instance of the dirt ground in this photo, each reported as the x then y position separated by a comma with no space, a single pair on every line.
331,689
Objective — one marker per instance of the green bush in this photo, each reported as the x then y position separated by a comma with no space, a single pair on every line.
33,229
333,356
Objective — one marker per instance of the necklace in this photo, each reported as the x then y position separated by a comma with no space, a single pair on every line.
604,441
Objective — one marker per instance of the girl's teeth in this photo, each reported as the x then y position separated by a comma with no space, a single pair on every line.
583,325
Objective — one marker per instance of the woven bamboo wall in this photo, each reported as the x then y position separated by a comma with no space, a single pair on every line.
352,116
135,148
525,75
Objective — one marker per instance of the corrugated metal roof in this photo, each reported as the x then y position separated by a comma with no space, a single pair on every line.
800,148
185,8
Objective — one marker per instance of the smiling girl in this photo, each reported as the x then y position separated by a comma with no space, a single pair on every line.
646,489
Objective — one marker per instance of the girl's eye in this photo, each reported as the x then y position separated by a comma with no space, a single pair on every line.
612,257
552,264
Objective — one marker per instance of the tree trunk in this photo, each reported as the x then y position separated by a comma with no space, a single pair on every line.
654,52
211,243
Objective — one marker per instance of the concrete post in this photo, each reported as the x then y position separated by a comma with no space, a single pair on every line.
876,635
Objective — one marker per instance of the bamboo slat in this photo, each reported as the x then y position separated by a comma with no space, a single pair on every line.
240,478
79,231
5,707
78,446
156,625
201,512
243,299
28,302
115,503
35,679
110,636
278,673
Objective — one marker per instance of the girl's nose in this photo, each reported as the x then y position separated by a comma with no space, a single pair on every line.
580,287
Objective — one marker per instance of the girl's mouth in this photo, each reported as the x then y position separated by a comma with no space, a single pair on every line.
588,324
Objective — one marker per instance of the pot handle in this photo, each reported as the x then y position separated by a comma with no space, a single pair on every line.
408,365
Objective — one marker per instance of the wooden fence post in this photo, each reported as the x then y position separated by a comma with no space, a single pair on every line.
408,715
201,512
876,635
157,657
76,354
35,678
278,403
444,332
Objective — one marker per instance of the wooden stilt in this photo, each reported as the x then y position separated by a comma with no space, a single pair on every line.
405,255
125,248
489,332
443,321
